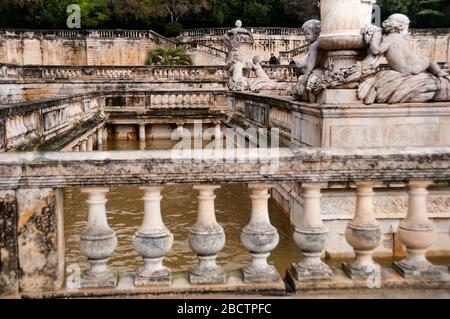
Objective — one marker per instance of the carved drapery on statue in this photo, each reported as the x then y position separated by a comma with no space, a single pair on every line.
238,42
406,78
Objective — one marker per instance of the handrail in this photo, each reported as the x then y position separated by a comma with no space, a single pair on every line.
159,167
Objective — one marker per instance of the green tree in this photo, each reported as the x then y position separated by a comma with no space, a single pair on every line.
168,56
94,13
422,13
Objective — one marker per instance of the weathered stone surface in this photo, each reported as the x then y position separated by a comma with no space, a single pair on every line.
9,272
40,239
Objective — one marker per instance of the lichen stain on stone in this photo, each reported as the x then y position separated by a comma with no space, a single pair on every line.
38,240
26,215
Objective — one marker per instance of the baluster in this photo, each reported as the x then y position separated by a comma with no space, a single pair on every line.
142,136
90,143
206,238
83,146
363,233
98,242
259,237
417,234
152,241
310,236
99,138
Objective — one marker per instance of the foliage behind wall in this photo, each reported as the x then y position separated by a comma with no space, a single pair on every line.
169,15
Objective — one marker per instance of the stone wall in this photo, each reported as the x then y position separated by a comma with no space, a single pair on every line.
19,83
58,123
351,125
99,47
116,47
433,43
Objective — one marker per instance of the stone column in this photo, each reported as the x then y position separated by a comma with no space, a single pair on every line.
417,234
99,138
180,131
83,146
260,237
206,238
218,132
363,233
310,236
142,133
105,134
98,242
76,148
152,241
90,143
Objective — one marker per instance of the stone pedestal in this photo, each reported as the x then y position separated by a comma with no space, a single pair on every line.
260,238
310,236
417,234
206,238
338,96
363,233
98,242
152,241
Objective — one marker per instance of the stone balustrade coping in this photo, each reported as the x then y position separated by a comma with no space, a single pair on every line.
165,167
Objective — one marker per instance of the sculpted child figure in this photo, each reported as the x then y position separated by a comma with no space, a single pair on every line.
311,30
315,60
395,46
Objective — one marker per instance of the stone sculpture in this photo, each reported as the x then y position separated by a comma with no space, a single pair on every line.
314,60
262,80
239,41
411,78
407,78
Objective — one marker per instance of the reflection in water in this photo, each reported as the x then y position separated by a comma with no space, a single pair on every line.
179,209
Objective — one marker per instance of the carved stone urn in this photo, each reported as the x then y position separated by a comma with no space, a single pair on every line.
342,22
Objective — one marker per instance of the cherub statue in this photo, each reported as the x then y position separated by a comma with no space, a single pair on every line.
314,59
395,46
311,30
411,78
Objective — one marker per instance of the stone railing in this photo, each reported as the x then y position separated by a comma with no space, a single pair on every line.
26,125
135,73
19,83
143,108
73,120
191,46
289,55
31,186
255,30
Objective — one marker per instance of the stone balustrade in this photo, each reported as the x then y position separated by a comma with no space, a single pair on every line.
255,30
294,53
31,185
26,125
18,83
76,123
136,73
